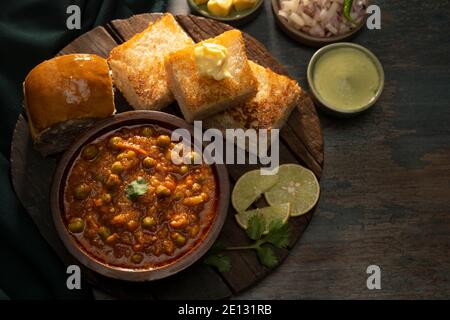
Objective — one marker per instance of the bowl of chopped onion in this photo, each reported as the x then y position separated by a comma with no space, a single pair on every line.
320,22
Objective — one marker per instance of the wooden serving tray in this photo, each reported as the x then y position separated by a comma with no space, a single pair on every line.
301,142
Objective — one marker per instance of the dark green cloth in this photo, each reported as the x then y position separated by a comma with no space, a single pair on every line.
30,32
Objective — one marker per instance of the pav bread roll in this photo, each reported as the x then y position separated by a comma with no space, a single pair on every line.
64,96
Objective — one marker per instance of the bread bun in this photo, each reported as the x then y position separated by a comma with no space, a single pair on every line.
64,96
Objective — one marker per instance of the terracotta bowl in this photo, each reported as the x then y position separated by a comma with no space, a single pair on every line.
115,122
307,39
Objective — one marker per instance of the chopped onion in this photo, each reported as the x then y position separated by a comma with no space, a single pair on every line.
321,18
296,19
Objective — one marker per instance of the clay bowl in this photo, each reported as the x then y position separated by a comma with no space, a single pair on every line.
307,39
103,127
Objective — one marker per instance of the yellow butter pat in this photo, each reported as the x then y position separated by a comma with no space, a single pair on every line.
240,5
220,8
212,60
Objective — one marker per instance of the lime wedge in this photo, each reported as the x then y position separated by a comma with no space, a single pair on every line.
269,214
296,185
250,187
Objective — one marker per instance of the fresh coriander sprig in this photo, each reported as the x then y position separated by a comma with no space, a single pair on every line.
218,260
136,188
221,262
278,236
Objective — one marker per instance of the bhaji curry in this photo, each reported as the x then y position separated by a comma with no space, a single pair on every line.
128,205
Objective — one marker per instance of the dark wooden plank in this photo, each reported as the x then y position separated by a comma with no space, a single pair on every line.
97,41
308,128
31,178
298,147
199,282
127,28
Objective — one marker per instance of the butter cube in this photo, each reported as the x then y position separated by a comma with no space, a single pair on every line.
240,5
220,8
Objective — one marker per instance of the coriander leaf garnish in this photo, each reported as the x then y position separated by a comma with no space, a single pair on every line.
221,262
256,227
278,234
267,256
217,247
136,188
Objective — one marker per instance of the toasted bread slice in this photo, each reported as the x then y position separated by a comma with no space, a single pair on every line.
200,96
138,64
269,109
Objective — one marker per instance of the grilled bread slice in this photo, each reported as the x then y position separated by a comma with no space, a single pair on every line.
200,96
138,64
269,109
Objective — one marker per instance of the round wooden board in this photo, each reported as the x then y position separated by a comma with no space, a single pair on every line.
301,142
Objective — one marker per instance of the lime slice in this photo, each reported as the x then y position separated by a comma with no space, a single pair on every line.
297,186
250,187
269,214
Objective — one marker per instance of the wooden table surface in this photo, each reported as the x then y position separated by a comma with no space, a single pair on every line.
386,181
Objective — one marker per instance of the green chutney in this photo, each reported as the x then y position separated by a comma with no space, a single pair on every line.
346,78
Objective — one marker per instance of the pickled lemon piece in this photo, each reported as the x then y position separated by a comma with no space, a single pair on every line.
220,8
269,215
240,5
296,185
250,187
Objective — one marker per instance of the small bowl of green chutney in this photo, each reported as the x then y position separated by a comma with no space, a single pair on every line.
345,78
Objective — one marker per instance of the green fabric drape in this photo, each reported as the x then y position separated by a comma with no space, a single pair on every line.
30,32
